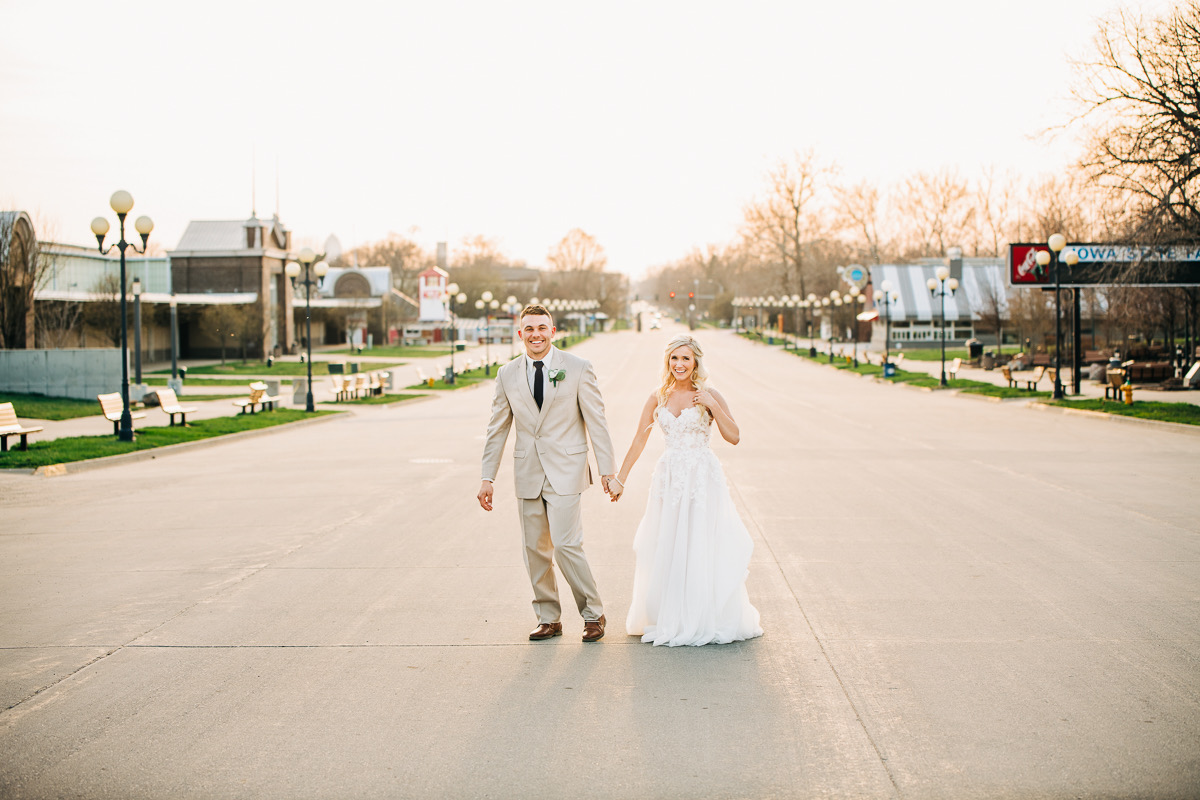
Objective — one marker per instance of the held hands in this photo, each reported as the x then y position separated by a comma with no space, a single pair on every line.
614,487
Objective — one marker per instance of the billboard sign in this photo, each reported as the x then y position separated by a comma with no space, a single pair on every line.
1106,265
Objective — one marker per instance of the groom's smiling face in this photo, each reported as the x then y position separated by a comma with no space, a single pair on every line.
537,332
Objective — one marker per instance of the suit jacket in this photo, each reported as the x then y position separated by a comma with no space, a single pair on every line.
552,443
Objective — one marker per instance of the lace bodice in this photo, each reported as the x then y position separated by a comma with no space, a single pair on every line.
690,430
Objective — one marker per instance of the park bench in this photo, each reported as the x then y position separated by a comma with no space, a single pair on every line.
952,370
1116,377
112,407
375,384
10,426
360,384
342,386
1030,381
258,397
169,403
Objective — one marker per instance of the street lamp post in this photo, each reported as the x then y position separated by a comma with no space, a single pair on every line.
512,308
174,342
1056,242
485,303
452,296
311,269
887,297
121,202
137,331
940,286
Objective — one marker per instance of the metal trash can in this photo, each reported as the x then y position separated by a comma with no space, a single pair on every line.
889,370
988,361
974,348
336,368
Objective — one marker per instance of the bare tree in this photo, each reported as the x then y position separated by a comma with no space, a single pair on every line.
103,313
21,273
859,208
936,210
577,251
1141,94
995,197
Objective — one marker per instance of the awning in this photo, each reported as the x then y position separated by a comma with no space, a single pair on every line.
868,316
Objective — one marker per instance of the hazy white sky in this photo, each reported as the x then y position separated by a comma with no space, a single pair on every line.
647,124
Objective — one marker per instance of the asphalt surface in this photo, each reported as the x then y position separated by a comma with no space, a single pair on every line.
961,599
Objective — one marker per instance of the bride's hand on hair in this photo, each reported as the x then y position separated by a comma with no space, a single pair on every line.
705,398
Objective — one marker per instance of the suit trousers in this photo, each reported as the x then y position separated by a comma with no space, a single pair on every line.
553,526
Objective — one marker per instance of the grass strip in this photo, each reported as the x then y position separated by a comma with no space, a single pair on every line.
395,351
379,399
1182,413
151,380
461,381
924,379
81,448
37,406
259,369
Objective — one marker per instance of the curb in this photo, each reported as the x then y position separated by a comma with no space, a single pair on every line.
73,467
1173,427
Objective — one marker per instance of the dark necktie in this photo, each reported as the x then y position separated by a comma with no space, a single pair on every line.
537,383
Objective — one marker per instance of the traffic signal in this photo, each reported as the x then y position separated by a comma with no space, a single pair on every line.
672,295
691,295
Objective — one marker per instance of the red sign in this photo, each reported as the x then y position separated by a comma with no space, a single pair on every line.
1023,269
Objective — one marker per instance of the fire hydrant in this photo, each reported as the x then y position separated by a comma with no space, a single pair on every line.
1127,389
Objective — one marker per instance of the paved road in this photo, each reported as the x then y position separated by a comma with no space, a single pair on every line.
961,599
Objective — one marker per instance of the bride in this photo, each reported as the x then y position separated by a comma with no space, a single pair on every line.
692,550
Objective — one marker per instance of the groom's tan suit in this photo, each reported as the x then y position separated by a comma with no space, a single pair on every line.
550,467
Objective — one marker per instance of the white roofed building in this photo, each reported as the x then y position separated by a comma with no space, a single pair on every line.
916,313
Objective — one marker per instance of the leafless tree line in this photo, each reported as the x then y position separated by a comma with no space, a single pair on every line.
1137,181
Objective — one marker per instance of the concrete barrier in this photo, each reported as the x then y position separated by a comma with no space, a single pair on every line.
79,373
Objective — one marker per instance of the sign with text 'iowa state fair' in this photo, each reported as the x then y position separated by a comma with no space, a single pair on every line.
1106,265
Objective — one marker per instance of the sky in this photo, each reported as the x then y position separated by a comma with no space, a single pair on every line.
649,125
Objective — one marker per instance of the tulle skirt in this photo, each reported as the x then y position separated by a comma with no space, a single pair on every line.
693,556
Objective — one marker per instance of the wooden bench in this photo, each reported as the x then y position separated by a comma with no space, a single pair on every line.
169,403
10,426
112,407
1030,382
258,397
269,401
361,385
1116,377
952,370
375,383
340,390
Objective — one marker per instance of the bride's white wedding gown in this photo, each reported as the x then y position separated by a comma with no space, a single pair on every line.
692,550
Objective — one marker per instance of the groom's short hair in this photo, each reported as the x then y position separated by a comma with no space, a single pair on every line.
536,311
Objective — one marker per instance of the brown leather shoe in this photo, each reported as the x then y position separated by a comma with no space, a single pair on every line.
593,629
545,631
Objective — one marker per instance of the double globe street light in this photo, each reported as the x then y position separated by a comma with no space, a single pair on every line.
1056,243
452,296
940,286
122,202
314,274
487,305
886,296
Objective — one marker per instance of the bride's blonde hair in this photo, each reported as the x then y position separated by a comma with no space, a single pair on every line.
699,373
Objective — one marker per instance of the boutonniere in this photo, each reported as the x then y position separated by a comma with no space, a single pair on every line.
556,375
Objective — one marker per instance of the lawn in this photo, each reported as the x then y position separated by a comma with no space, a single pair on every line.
81,448
926,380
36,406
462,380
231,381
378,399
1183,413
259,369
395,351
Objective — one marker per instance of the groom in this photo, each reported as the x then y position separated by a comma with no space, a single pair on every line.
555,401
